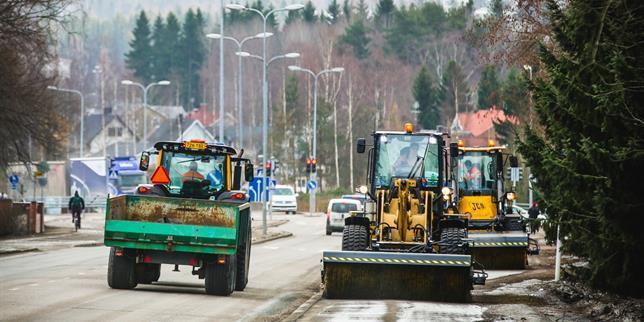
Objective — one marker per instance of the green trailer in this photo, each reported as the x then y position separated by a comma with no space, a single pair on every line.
203,222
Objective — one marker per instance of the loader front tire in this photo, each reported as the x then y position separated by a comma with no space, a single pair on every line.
220,278
513,225
121,271
452,240
355,238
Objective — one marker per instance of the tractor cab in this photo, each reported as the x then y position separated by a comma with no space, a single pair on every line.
195,169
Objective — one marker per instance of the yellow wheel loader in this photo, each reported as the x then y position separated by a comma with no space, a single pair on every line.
496,236
403,245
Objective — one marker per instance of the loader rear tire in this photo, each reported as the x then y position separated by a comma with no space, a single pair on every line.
220,278
452,240
513,225
121,271
355,238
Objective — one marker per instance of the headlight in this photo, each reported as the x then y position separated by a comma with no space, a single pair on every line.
511,196
363,189
446,191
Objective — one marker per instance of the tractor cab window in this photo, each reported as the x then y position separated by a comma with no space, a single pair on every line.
476,171
184,167
401,156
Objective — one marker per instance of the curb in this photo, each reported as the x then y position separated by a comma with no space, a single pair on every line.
18,251
302,309
90,244
282,235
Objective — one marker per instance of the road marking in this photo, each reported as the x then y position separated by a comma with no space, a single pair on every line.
51,281
81,273
270,247
14,289
34,284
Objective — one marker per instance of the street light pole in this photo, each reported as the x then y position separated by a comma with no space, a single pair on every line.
145,104
240,99
82,117
313,174
221,73
264,197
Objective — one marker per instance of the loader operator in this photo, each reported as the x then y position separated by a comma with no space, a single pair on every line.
192,173
406,160
472,176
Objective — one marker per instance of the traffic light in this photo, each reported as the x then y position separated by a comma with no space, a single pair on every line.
308,165
268,168
314,163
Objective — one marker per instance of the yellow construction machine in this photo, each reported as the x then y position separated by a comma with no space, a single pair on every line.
403,244
496,235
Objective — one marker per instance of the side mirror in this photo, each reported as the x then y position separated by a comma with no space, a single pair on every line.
361,145
144,162
249,172
453,150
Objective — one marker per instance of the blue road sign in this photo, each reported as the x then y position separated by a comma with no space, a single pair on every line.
312,184
256,188
14,179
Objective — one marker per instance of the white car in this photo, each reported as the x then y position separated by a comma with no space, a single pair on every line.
284,198
524,213
337,210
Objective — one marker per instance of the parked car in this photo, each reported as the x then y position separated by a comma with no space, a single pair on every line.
284,198
337,210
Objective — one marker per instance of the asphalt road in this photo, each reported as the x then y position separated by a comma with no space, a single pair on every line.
70,284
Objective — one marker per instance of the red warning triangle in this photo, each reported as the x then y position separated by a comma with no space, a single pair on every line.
160,176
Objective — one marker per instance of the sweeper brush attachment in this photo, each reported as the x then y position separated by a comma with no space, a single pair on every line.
390,275
505,250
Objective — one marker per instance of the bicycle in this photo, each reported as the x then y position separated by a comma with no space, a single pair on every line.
77,221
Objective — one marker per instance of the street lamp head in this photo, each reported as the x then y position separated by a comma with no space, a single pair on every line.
295,6
242,54
127,82
337,69
264,35
292,55
294,68
527,67
213,36
163,82
235,6
52,87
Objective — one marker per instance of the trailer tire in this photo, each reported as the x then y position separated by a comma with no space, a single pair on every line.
121,271
220,278
355,238
243,264
452,240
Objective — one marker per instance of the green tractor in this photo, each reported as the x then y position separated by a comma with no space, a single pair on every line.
192,214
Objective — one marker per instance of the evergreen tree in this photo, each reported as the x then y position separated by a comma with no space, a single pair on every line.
159,67
334,10
515,94
454,92
293,15
138,58
588,161
192,56
489,91
171,44
362,10
308,13
356,36
426,95
346,10
384,12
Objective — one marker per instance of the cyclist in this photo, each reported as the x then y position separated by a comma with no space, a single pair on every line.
76,205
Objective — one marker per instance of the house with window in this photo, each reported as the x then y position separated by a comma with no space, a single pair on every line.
115,136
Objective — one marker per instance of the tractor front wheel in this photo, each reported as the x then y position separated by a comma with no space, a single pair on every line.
355,238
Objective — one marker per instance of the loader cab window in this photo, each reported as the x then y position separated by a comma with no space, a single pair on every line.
183,167
476,172
398,153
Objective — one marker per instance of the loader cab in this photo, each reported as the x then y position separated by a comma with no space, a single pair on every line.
478,177
196,169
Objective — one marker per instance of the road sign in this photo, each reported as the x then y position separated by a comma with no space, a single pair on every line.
14,179
114,174
312,184
514,174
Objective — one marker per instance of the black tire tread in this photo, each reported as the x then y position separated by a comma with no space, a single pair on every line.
243,263
220,279
121,271
355,238
451,240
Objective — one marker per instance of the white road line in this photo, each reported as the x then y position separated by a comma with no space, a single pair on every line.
81,273
270,247
14,289
51,281
34,284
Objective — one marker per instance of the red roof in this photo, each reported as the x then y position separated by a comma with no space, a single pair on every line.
482,121
202,114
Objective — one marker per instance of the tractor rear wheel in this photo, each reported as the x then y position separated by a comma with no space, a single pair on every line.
243,263
452,240
355,238
147,273
121,271
220,278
